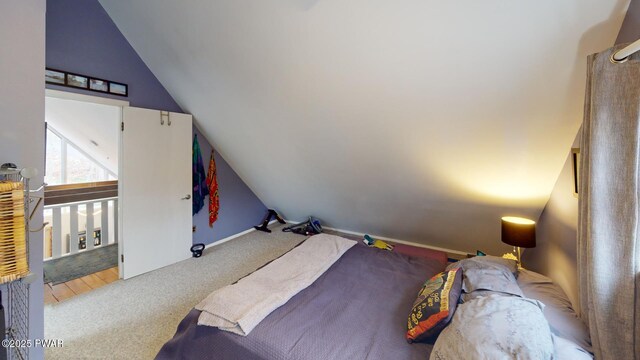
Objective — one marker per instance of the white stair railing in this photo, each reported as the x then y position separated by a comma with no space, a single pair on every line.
80,226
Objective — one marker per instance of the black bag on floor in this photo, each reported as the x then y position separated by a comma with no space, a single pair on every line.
309,227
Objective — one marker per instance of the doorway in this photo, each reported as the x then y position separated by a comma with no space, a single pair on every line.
94,146
81,196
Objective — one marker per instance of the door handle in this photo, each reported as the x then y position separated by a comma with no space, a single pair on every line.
187,197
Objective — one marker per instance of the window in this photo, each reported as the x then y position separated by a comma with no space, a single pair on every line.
53,171
67,164
81,169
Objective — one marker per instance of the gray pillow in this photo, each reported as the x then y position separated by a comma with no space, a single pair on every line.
559,312
483,261
483,275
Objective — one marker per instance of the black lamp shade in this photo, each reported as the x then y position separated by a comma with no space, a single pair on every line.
519,232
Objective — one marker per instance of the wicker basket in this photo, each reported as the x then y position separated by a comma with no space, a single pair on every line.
13,251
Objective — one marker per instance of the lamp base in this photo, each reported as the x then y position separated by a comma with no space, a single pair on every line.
519,260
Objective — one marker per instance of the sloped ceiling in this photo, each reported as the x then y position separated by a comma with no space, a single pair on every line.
419,120
94,128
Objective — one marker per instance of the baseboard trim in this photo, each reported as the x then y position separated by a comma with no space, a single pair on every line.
398,241
384,238
229,238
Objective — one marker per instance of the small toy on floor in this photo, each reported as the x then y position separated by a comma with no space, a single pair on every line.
369,241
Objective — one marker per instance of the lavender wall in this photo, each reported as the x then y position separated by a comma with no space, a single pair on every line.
82,38
556,252
630,29
240,209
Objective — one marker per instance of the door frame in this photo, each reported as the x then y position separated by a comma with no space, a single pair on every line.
103,101
84,98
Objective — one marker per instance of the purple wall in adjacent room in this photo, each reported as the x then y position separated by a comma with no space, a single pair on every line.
81,38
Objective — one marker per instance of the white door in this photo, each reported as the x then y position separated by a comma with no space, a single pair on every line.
155,190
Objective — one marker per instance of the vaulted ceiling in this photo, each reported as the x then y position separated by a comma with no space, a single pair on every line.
94,128
419,120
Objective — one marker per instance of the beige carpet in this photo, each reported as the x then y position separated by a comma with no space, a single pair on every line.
132,319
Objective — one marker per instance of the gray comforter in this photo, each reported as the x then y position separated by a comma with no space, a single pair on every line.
496,326
356,310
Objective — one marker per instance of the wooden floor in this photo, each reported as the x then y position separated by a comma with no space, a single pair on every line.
63,291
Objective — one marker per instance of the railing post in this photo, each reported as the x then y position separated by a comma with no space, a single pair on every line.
73,229
89,232
58,238
56,232
104,223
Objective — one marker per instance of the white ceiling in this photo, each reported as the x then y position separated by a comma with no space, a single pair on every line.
419,120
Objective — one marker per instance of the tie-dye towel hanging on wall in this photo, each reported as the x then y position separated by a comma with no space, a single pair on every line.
200,189
214,200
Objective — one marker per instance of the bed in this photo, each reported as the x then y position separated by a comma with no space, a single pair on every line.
357,309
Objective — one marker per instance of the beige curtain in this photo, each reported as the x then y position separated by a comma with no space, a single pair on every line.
608,227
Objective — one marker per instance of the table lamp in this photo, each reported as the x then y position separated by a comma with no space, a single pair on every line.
519,232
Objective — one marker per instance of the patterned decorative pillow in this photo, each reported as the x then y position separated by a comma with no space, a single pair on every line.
435,305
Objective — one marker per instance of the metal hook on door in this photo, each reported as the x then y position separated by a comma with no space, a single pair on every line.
162,115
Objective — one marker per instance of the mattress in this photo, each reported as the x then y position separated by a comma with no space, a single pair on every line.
357,309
